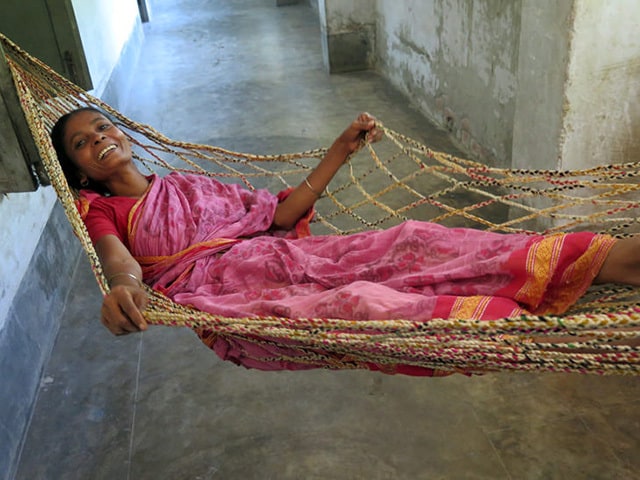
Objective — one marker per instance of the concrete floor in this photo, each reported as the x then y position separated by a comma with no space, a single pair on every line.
248,75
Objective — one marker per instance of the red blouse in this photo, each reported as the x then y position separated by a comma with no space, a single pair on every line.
109,215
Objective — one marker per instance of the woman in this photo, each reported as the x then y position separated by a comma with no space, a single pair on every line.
228,251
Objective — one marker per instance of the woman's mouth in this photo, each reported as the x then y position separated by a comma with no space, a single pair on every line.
103,153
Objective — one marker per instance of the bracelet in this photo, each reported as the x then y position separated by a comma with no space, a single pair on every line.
313,190
124,274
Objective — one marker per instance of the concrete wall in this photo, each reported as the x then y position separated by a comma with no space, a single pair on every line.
348,34
602,97
38,252
578,100
313,4
545,42
22,219
521,83
457,60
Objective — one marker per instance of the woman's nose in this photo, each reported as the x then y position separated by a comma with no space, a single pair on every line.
98,138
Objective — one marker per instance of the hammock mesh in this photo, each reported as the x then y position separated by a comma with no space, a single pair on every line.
397,180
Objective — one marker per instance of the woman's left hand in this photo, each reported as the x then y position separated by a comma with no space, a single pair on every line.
363,127
289,211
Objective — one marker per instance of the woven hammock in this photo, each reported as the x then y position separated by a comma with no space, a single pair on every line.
400,179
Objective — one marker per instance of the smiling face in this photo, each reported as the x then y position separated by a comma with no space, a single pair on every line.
95,145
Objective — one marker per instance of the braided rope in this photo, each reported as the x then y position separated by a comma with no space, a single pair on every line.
397,180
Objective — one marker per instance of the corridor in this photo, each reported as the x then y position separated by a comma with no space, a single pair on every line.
248,76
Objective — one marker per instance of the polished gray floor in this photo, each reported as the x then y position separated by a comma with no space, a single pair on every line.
248,75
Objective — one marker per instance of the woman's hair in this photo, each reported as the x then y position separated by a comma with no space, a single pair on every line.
70,170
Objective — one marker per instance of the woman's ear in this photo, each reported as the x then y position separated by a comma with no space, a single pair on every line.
84,180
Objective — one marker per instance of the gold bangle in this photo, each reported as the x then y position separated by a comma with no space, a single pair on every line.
313,190
124,274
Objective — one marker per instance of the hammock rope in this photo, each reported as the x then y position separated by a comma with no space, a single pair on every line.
399,179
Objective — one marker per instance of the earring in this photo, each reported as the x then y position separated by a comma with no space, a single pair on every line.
84,182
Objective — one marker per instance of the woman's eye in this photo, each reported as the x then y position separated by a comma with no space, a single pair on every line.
79,143
104,126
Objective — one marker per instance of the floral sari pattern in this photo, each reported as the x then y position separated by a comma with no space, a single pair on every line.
208,245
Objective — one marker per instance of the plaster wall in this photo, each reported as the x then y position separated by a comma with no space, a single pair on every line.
457,60
105,28
348,34
22,220
602,121
341,15
314,4
545,42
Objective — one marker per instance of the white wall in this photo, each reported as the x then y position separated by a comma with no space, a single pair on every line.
104,28
602,122
22,219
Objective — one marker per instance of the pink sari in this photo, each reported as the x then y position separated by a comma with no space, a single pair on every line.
207,244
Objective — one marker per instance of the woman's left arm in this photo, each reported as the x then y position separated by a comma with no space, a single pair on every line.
302,198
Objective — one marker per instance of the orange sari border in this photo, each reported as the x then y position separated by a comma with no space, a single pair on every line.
558,270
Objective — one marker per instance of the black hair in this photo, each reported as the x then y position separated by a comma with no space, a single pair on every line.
70,169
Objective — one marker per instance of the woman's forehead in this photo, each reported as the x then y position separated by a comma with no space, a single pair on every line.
86,116
82,120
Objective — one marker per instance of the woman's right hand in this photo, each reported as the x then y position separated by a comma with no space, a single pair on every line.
122,309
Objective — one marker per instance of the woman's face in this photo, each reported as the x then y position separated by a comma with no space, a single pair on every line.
95,145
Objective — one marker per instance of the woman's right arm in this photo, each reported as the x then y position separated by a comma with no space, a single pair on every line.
122,307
